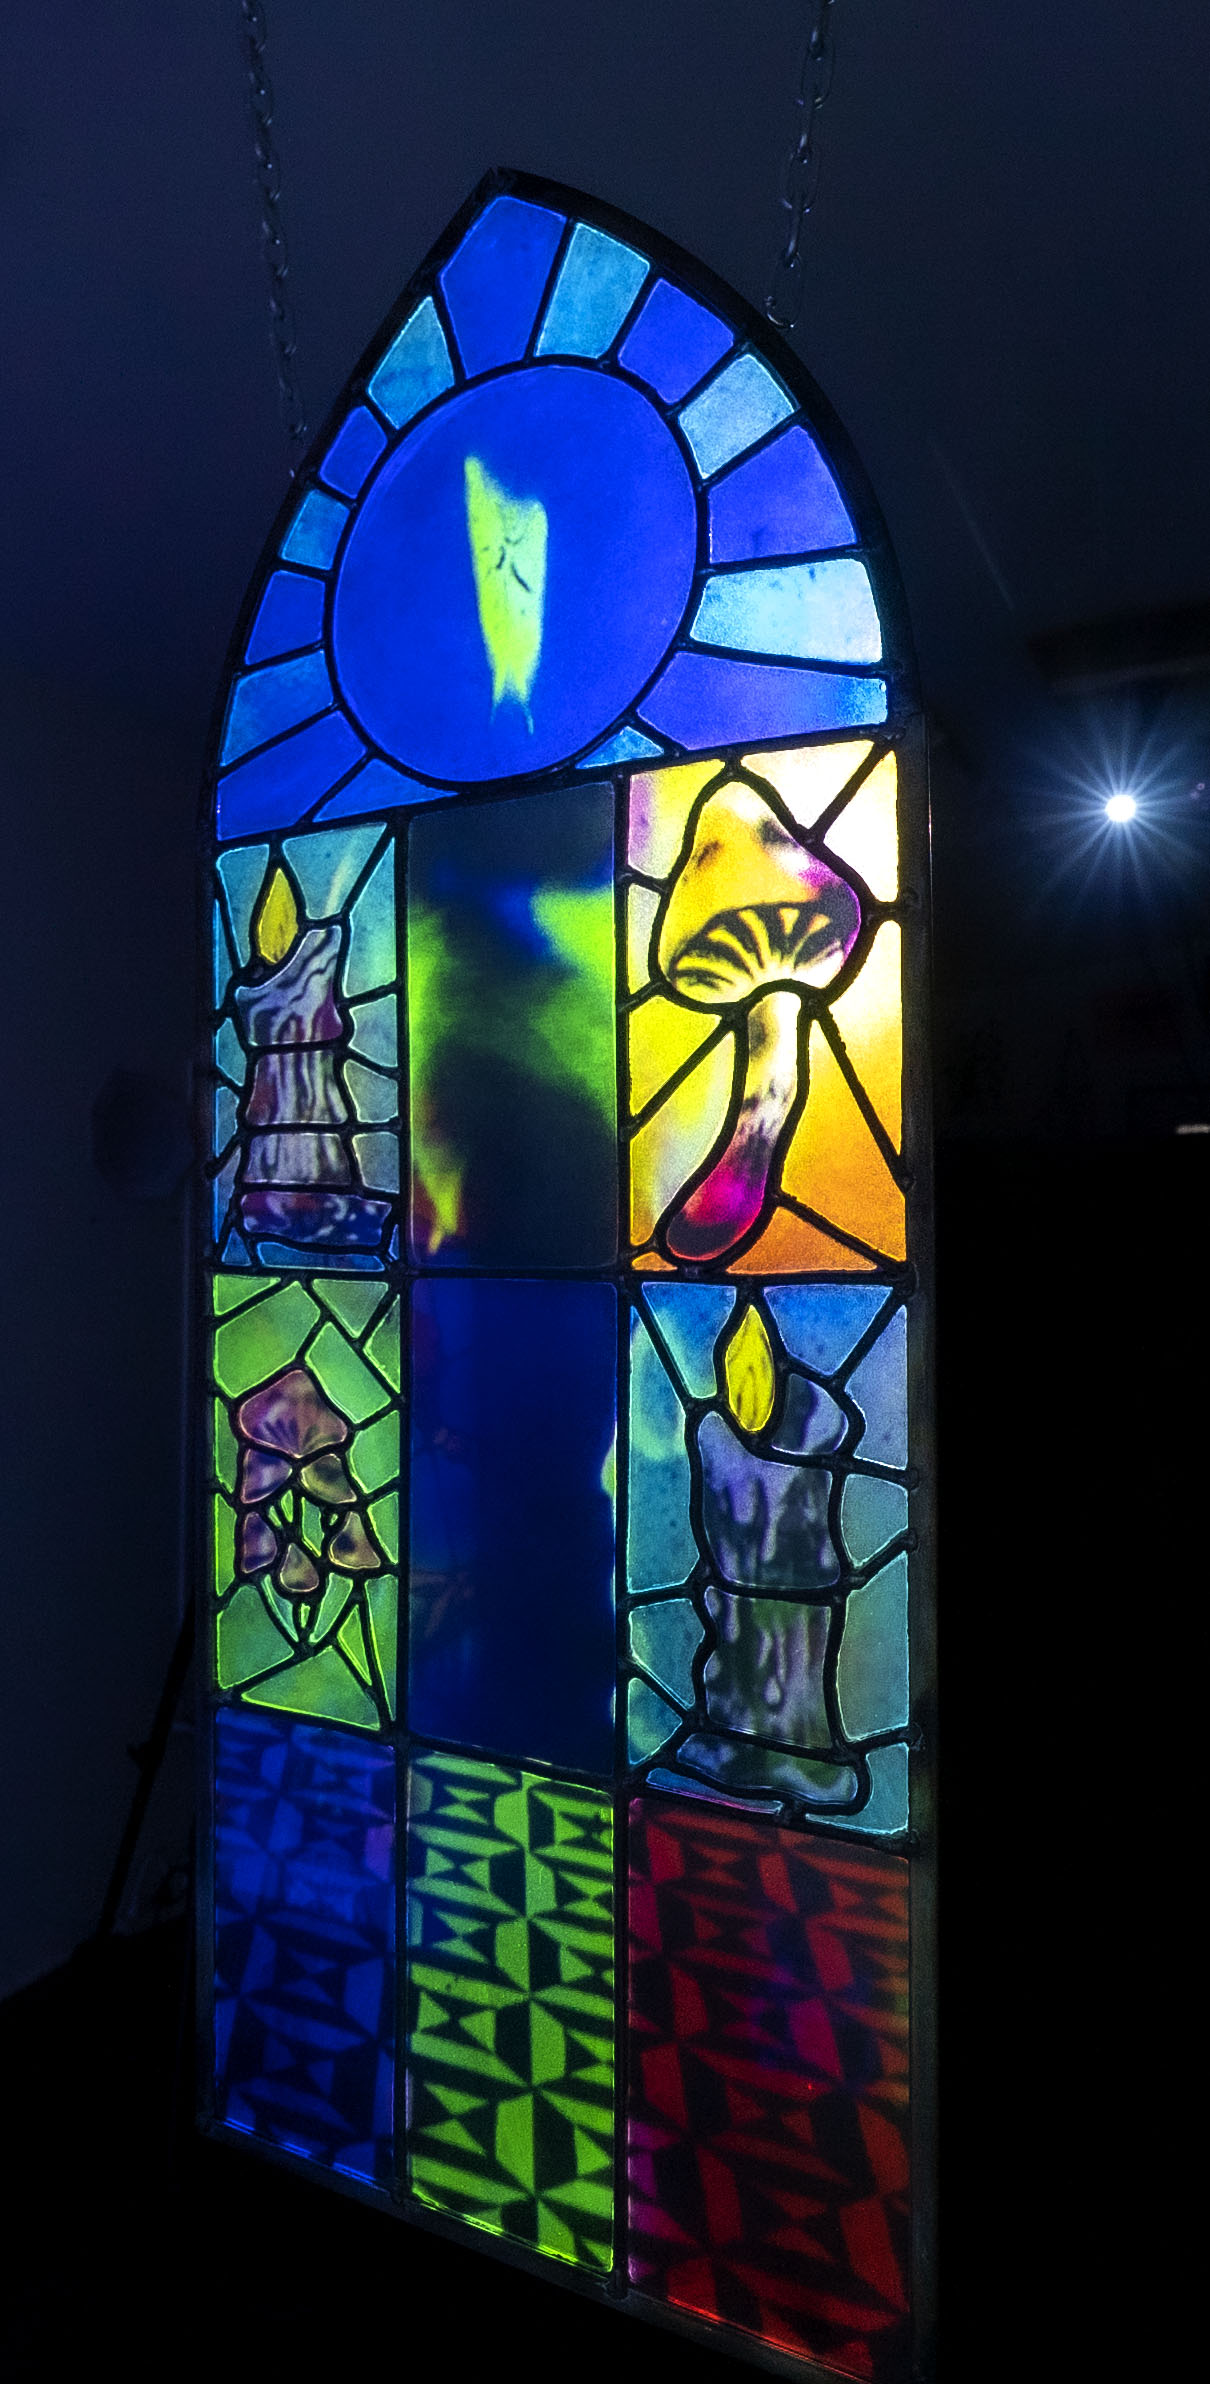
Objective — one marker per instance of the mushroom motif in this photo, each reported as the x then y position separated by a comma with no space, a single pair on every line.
753,921
298,1501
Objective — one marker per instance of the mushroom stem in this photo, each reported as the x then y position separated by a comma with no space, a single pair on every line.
726,1204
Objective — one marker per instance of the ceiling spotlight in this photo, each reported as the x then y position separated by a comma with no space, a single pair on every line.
1120,808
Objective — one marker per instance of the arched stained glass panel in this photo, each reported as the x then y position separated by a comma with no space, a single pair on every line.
567,1387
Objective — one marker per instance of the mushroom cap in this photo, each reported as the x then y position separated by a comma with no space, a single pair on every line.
292,1416
750,907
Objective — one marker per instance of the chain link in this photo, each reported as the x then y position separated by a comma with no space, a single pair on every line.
802,166
273,239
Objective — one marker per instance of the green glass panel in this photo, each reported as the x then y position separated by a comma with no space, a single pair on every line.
384,1515
374,1454
872,1669
248,1640
223,1448
224,1544
352,1639
327,866
340,1372
382,1614
371,960
233,1291
255,1345
323,1687
352,1303
382,1348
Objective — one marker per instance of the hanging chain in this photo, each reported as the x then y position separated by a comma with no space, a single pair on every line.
802,167
273,238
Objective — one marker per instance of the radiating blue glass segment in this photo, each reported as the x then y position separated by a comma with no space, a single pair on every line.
493,285
735,409
327,866
415,369
660,1548
879,1385
290,614
314,533
354,451
599,280
872,1512
674,342
279,786
378,787
242,873
514,1409
706,699
629,745
816,611
546,641
304,1936
278,697
872,1667
783,501
820,1323
689,1318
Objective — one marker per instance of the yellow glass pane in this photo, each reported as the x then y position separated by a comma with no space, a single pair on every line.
672,1145
834,1164
810,777
662,1037
748,1372
660,803
866,834
870,1019
642,903
790,1246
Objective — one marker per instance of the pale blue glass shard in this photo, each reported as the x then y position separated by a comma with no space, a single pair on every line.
235,1251
664,1639
629,745
599,280
275,698
783,501
314,533
378,1159
327,866
222,1188
811,1423
374,1097
354,452
661,1551
674,342
690,1317
872,1667
243,875
222,958
820,1323
380,788
226,1115
887,1809
290,614
817,611
415,369
879,1385
735,409
706,699
649,1722
376,1032
276,787
871,1513
229,1052
372,956
493,286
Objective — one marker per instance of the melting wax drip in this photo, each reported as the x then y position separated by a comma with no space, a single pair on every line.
508,549
748,1372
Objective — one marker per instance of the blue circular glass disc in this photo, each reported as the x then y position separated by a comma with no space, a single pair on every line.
516,572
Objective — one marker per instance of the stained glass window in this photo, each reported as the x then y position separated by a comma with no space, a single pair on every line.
565,1290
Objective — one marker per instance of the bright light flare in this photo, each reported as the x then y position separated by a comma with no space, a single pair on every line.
1121,808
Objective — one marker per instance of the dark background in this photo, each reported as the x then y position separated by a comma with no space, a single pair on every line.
1006,304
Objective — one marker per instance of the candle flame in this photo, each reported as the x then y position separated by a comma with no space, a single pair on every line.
749,1373
275,925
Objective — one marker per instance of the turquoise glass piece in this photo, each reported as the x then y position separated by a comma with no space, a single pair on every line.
415,369
872,1512
887,1810
674,342
220,955
242,873
354,452
872,1667
879,1385
327,866
629,745
277,786
375,1031
664,1639
690,1317
649,1721
704,700
229,1052
660,1547
226,1114
371,960
783,501
820,1324
378,787
314,533
493,285
599,280
816,611
290,614
278,697
732,412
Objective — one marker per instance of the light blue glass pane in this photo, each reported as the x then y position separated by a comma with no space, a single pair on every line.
674,342
373,1097
820,611
661,1551
887,1809
872,1668
235,1251
690,1317
372,960
222,958
243,874
229,1052
278,786
376,1032
598,283
223,1187
415,369
269,700
353,452
314,533
380,788
819,1324
493,286
628,746
648,1721
328,865
871,1513
704,700
378,1159
664,1639
226,1115
290,614
811,1422
293,1254
879,1385
732,412
783,501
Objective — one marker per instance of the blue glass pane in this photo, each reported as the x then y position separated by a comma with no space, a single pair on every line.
872,1668
513,1418
242,873
598,283
229,1052
879,1385
819,1324
649,1721
415,369
279,786
327,866
690,1317
499,604
732,412
304,1940
379,788
226,1115
887,1809
674,342
817,611
704,700
664,1639
375,1031
493,286
871,1513
810,1422
314,533
353,452
628,746
660,1549
290,613
371,961
270,700
783,501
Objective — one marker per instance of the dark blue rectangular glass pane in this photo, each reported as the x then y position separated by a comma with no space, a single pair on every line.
304,1939
513,1415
